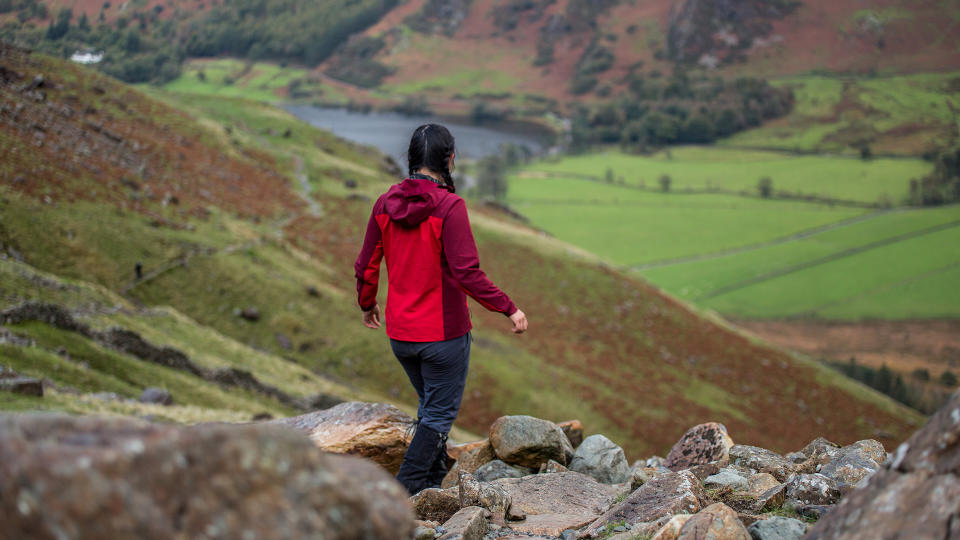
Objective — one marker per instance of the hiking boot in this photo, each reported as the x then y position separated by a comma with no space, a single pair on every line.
417,470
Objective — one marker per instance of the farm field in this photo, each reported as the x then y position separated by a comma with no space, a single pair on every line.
703,168
754,258
901,114
630,227
259,81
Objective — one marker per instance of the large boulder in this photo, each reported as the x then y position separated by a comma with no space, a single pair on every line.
700,445
599,457
528,441
90,477
715,522
916,492
849,465
761,460
377,431
664,495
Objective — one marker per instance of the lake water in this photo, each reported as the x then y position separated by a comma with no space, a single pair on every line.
390,132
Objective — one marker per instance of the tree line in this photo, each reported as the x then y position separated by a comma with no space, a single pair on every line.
685,107
149,45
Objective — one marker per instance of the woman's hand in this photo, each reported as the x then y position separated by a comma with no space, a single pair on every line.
371,319
519,322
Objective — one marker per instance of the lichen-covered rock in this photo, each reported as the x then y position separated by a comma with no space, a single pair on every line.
849,465
569,493
377,431
777,528
488,495
715,522
664,495
915,493
804,489
528,441
699,445
496,470
600,458
90,477
761,460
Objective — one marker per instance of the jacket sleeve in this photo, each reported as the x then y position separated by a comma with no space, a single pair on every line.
367,267
460,250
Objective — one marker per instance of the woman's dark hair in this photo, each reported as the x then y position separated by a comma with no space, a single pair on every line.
430,148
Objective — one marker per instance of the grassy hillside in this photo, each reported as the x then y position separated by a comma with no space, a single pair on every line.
714,240
902,115
257,213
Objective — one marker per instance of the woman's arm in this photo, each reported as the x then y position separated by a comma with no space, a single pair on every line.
460,250
367,267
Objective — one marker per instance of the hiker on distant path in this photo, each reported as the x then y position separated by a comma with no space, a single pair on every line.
421,228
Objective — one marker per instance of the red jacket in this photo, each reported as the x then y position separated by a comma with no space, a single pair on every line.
422,230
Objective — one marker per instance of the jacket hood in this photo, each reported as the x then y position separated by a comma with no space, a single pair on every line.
412,201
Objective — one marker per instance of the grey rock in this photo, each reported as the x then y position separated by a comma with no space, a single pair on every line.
851,464
806,489
528,441
665,495
726,478
157,396
599,457
497,469
568,493
919,483
777,528
761,460
104,477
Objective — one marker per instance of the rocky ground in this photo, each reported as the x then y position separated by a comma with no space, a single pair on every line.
90,477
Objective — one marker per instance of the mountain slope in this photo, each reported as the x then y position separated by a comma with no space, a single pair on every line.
228,240
524,47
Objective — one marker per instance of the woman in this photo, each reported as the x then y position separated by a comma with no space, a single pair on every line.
422,230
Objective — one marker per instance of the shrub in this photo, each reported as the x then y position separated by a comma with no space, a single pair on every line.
765,187
665,182
947,378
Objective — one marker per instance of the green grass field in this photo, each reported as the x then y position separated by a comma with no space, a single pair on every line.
258,81
899,114
704,168
752,257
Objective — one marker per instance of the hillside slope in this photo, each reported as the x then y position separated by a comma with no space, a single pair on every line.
529,48
246,222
